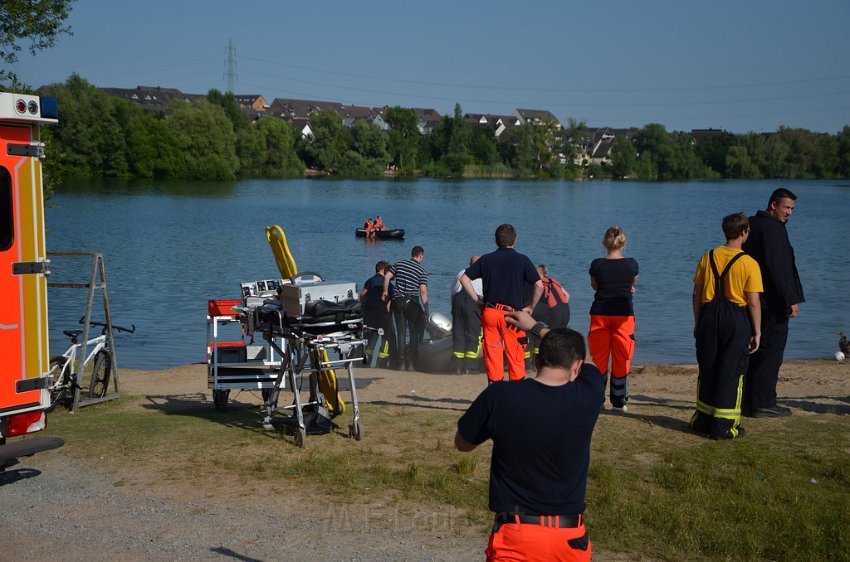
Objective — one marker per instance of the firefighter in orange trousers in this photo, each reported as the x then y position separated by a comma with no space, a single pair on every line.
504,273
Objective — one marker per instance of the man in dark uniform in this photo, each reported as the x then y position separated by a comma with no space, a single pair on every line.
727,328
376,316
768,244
466,323
541,430
504,274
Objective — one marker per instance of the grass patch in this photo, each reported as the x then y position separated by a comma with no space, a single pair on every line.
781,493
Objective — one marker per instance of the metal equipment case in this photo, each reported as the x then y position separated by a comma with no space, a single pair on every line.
294,298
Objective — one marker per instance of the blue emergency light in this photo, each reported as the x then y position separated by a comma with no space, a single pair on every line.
49,108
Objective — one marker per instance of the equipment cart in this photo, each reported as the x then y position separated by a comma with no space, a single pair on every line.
319,337
237,365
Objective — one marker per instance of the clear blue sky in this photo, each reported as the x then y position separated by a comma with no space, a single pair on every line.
743,65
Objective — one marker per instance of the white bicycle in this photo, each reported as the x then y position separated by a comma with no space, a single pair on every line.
63,368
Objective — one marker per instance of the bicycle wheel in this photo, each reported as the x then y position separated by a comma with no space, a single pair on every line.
61,390
100,374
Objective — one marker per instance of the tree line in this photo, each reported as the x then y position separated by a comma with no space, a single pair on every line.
212,139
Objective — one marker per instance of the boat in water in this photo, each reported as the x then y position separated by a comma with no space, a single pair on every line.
386,234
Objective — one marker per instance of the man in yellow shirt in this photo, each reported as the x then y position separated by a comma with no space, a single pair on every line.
727,328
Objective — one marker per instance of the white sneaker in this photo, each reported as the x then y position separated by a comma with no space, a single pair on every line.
619,409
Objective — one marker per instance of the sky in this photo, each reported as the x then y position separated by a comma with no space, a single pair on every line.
742,66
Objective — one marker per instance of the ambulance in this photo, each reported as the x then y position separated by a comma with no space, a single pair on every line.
24,356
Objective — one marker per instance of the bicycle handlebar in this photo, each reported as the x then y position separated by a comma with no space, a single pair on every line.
114,327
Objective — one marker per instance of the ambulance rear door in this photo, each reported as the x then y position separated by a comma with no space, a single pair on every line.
24,356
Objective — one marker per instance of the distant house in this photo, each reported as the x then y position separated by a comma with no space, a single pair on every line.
701,135
428,119
537,117
594,147
291,110
302,127
498,123
252,102
352,113
154,99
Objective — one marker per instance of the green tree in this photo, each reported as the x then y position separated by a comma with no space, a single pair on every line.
152,150
516,145
230,106
457,154
774,164
623,157
713,151
205,139
91,138
574,135
36,22
368,155
368,140
825,164
671,154
403,138
739,164
482,147
843,139
329,143
266,148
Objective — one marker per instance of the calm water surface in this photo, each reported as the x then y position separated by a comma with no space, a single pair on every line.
170,247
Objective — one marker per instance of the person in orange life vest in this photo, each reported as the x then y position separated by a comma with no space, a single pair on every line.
555,299
553,307
727,328
611,337
541,430
379,223
370,228
504,274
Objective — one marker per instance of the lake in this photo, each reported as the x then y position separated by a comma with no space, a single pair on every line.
169,247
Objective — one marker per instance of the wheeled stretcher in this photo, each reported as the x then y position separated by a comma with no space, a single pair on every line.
328,336
235,365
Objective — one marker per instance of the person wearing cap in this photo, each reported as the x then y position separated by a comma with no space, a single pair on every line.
541,429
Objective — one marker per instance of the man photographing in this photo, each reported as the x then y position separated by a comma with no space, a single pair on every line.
541,429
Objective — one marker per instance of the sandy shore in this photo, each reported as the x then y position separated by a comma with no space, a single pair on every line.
812,386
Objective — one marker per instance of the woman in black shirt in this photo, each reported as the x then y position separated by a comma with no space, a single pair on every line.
611,338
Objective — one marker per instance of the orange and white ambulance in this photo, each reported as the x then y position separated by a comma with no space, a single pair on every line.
24,356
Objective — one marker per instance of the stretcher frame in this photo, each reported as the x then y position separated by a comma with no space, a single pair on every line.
300,346
221,383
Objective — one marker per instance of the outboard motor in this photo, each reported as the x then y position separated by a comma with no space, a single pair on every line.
439,326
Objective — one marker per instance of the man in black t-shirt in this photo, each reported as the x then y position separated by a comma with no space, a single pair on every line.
541,430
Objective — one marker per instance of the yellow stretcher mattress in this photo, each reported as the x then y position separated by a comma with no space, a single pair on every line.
282,256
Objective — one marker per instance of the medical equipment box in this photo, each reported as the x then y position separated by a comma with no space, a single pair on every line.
294,298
